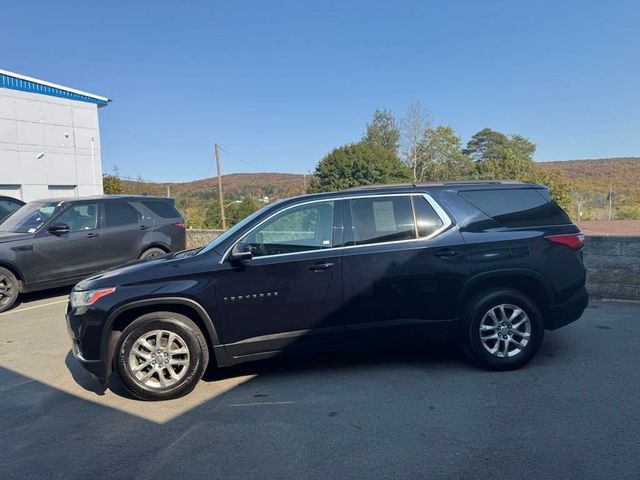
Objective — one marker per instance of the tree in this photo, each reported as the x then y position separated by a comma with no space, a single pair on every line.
487,144
441,157
383,131
238,211
112,185
415,126
363,163
500,157
194,211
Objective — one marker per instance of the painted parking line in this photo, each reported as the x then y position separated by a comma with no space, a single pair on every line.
253,404
26,309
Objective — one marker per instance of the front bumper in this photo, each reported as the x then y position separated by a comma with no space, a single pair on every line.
97,368
83,328
567,312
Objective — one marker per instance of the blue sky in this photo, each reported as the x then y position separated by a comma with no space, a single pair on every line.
280,83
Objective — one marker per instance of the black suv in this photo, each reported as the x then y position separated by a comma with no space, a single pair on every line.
493,264
52,243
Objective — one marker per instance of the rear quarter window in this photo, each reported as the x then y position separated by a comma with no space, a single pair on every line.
162,209
518,207
427,219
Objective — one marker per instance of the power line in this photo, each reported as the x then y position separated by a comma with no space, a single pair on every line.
240,159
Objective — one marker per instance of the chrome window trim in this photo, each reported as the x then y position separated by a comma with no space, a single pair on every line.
446,223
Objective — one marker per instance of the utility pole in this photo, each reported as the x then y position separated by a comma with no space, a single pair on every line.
168,191
224,220
610,198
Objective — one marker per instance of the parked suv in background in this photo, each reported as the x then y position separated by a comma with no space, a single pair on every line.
492,264
52,243
8,205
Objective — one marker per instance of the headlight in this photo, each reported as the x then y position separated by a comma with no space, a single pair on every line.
84,299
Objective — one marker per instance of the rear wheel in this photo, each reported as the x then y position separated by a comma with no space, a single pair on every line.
8,289
161,355
152,253
502,329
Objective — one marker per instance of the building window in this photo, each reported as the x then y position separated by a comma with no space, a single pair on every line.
63,191
13,191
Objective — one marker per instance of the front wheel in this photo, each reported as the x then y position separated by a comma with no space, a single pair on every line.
502,329
161,355
8,289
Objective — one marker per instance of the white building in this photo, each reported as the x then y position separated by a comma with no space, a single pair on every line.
49,139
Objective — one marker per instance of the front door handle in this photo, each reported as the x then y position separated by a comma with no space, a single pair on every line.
144,227
91,235
316,267
445,252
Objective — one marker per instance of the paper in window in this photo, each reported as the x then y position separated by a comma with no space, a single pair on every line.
384,216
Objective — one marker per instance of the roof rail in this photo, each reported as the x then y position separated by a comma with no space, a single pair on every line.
482,182
381,185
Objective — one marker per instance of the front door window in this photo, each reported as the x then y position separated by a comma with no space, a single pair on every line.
299,229
80,217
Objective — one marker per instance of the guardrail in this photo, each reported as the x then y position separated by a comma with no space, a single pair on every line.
613,263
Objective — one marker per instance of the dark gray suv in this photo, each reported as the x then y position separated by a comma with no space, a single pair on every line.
53,243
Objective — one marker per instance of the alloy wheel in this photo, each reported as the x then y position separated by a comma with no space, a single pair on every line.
505,330
159,359
6,290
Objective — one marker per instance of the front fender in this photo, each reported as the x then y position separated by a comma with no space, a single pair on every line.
107,339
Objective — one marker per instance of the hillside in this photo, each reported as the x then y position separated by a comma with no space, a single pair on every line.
590,181
599,173
595,174
236,185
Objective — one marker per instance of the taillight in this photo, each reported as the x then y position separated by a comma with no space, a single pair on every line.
575,241
180,225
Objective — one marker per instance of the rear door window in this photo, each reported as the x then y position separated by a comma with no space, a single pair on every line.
382,219
518,207
120,213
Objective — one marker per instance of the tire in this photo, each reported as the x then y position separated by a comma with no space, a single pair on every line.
147,382
152,253
9,289
524,333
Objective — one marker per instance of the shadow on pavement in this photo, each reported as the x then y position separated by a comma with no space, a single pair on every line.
374,414
366,358
83,378
26,298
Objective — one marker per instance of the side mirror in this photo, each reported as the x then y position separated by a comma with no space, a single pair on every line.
241,251
58,229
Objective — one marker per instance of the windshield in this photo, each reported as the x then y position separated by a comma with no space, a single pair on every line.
31,217
232,230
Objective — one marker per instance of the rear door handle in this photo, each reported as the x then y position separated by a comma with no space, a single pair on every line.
321,266
91,235
144,227
445,252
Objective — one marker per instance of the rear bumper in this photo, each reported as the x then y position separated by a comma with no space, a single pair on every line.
567,312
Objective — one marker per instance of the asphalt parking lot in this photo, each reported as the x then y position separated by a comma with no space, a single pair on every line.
574,412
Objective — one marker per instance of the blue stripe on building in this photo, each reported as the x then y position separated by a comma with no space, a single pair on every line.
27,86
